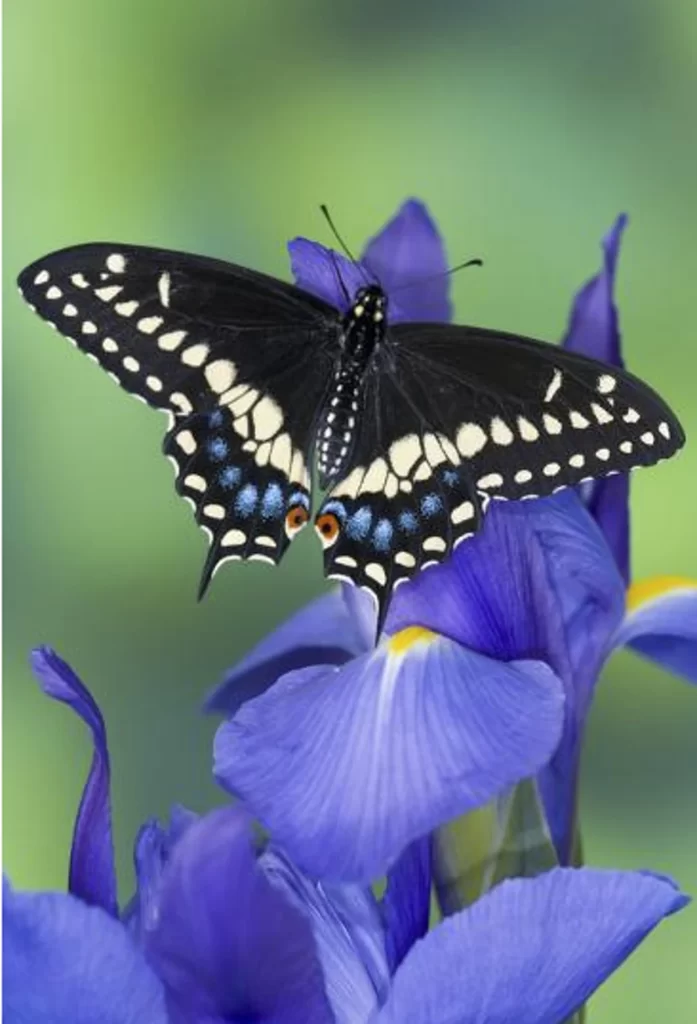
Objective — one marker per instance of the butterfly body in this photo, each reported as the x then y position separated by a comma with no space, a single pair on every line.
415,427
361,335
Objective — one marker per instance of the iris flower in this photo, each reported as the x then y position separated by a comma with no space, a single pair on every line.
347,753
220,933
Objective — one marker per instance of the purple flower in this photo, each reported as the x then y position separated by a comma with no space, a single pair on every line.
355,752
219,934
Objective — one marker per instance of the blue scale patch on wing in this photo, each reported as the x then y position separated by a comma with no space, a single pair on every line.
396,515
250,505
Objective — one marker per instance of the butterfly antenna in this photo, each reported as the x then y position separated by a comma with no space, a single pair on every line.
332,226
436,277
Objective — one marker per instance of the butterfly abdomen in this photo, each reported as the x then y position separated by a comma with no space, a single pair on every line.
363,329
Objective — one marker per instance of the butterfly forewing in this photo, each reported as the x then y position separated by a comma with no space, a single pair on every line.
239,360
527,418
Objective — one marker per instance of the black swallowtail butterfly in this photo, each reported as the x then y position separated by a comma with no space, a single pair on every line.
414,426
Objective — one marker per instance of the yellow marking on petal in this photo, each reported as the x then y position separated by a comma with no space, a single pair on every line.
646,590
406,638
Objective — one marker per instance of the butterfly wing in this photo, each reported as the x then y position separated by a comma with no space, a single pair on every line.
239,360
455,416
404,503
528,418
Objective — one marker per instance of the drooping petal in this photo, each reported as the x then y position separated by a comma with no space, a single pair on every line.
324,632
92,876
65,962
407,901
408,259
661,623
594,331
530,952
153,849
536,582
348,933
346,766
325,273
226,943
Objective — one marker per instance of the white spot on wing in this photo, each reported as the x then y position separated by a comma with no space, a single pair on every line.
149,324
648,437
109,345
220,374
182,402
462,512
528,431
214,511
79,281
195,482
470,439
69,309
108,293
490,480
551,469
267,418
606,384
375,477
54,292
404,453
501,433
603,454
89,328
578,421
163,286
551,424
126,308
631,416
554,386
168,342
195,355
376,572
434,544
601,414
116,263
233,538
577,461
405,559
131,364
42,277
523,476
186,441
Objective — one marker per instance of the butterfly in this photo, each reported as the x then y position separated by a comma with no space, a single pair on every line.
414,427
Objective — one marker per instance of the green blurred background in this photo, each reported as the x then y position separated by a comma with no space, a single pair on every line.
218,127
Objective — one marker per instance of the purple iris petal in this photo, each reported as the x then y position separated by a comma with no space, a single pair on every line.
346,766
532,951
153,849
408,259
348,934
407,901
593,328
537,582
664,629
594,331
68,963
321,272
226,943
92,875
324,632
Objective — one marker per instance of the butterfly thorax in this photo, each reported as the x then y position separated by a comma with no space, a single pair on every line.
362,331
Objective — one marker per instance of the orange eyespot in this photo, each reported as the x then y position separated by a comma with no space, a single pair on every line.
327,527
296,518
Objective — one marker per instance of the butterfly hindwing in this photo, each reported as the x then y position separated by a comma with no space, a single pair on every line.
250,501
404,503
527,418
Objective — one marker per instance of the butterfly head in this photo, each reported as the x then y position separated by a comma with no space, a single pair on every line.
369,304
